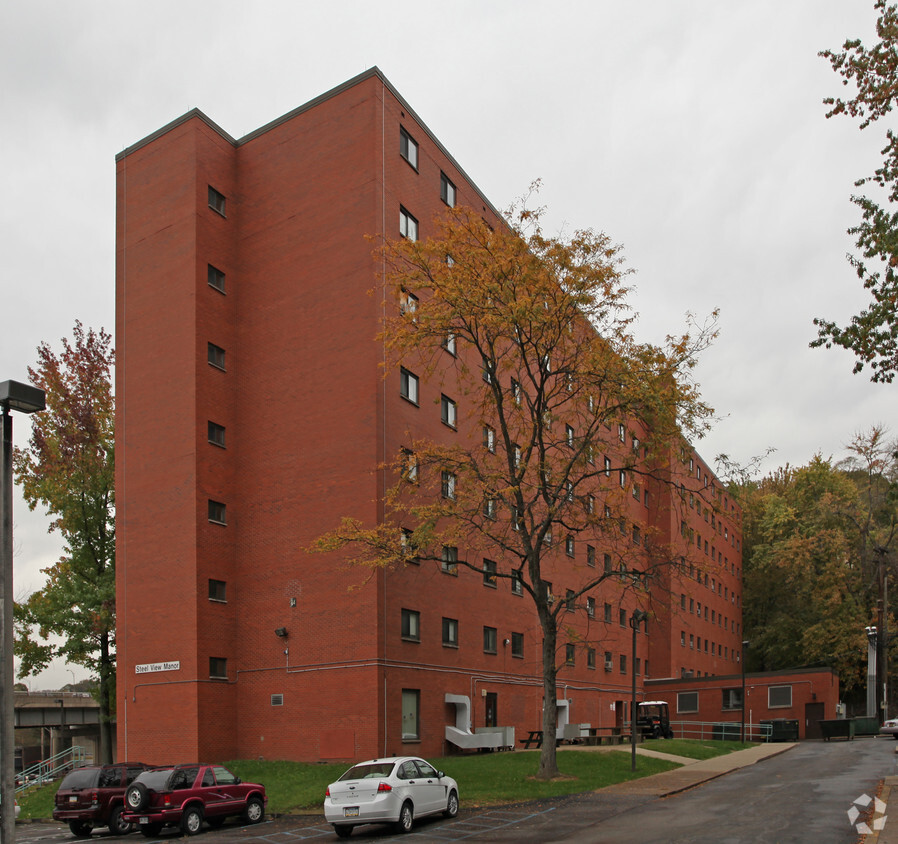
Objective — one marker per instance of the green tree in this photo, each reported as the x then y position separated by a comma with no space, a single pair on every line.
818,540
548,380
873,333
68,468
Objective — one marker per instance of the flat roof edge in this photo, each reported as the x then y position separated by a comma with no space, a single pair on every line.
178,121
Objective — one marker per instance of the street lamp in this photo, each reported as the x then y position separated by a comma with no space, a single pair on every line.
636,620
745,644
25,399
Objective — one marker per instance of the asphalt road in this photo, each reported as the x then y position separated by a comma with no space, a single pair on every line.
800,796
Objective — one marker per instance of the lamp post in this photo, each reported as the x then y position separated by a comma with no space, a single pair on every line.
636,620
25,399
745,644
872,636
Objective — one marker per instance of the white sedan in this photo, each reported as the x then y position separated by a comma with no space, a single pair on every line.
395,790
890,728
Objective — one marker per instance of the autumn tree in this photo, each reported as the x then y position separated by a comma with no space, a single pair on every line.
68,468
559,417
818,540
873,333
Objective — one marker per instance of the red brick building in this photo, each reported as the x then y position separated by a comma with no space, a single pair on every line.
252,414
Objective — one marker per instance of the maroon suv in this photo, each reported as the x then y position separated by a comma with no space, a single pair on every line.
186,795
94,796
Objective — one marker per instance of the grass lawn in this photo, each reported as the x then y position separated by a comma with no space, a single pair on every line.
484,778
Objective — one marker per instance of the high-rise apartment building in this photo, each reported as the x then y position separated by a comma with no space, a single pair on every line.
253,414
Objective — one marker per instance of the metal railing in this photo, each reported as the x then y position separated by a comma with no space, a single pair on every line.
52,768
728,730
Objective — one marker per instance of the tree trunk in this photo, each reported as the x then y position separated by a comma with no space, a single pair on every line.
548,765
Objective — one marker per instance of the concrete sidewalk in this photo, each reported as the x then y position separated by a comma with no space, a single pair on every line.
694,772
889,833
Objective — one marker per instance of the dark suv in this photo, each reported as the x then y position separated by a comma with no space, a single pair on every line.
94,796
186,795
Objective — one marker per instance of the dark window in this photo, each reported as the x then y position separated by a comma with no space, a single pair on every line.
409,465
449,558
216,355
489,438
569,652
687,702
778,696
450,632
218,590
216,201
411,703
517,645
447,485
447,190
590,556
590,657
489,640
408,148
517,584
489,573
408,385
408,225
732,699
217,512
218,668
217,434
411,628
216,279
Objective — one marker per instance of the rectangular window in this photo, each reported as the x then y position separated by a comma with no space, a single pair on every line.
408,385
407,540
218,591
216,434
607,467
216,201
637,667
569,603
687,702
622,617
409,465
216,279
490,640
621,432
517,645
447,485
569,652
516,391
216,355
218,668
732,699
569,435
447,190
449,557
449,344
517,585
590,556
779,696
411,701
489,573
450,632
218,512
411,625
606,562
490,509
590,657
569,546
623,663
487,370
408,304
608,613
408,148
609,661
408,225
489,439
591,607
448,411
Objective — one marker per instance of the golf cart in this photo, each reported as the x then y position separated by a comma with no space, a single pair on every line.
653,719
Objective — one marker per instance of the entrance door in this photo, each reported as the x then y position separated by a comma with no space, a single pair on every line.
813,715
491,718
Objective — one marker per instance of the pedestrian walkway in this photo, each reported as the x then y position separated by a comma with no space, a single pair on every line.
696,771
889,833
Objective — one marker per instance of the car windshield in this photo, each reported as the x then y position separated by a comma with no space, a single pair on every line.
80,778
155,779
369,770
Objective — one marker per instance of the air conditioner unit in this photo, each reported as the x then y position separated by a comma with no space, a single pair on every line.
609,665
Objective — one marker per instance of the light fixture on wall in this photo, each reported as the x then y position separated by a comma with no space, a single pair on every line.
281,632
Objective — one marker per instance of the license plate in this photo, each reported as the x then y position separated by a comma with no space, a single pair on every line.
351,812
144,820
73,798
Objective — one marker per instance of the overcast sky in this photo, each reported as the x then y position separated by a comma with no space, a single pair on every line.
692,133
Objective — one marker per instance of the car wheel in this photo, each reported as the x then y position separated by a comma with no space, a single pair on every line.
451,809
254,811
150,830
80,829
192,820
406,818
137,796
343,830
116,825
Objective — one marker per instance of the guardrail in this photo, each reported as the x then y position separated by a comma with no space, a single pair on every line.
52,768
729,730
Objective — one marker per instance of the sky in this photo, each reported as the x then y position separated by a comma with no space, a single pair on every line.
692,132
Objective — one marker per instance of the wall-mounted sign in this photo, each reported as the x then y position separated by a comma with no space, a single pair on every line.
152,667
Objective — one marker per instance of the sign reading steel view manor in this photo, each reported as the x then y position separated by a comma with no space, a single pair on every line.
151,667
